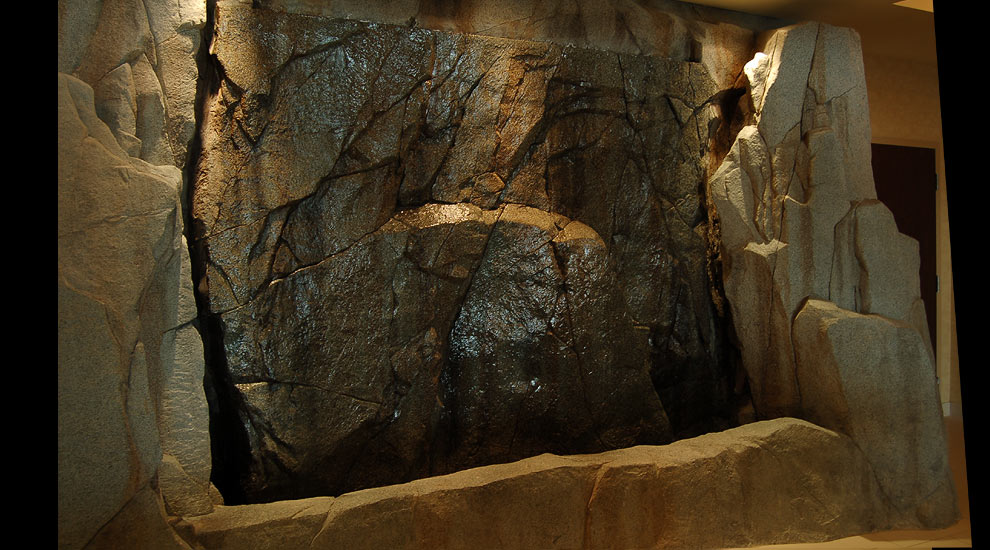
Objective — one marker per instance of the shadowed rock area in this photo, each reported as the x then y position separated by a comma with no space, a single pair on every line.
430,251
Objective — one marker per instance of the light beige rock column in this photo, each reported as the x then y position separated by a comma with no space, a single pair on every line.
800,224
133,423
117,229
786,181
140,57
872,378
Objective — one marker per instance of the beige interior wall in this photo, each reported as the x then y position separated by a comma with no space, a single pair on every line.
905,110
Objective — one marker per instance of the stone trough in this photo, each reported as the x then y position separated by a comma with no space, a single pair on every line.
729,489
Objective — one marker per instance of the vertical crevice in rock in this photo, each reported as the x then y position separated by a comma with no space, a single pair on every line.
735,111
207,86
228,440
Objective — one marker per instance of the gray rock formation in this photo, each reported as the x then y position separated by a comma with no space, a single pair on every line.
741,486
438,251
803,237
869,376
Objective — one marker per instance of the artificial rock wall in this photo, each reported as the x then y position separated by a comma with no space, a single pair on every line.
431,251
489,208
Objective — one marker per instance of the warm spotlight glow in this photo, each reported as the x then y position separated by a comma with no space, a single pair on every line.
923,5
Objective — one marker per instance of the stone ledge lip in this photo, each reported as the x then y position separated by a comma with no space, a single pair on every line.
770,482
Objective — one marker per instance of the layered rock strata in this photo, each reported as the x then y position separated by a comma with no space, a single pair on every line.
823,289
736,488
431,251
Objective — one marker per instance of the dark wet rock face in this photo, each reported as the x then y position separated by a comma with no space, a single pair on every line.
431,251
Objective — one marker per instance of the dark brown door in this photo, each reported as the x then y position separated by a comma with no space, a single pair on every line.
906,180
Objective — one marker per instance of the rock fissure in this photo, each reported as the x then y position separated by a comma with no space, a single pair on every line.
272,381
306,267
587,540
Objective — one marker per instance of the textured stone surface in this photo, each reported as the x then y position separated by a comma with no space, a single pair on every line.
502,214
390,299
449,250
718,39
784,193
394,297
542,353
770,482
139,524
803,237
871,377
140,59
875,267
133,421
286,524
119,263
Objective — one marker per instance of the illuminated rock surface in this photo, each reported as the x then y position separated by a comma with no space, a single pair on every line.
729,489
133,418
139,58
121,309
803,236
431,251
869,377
